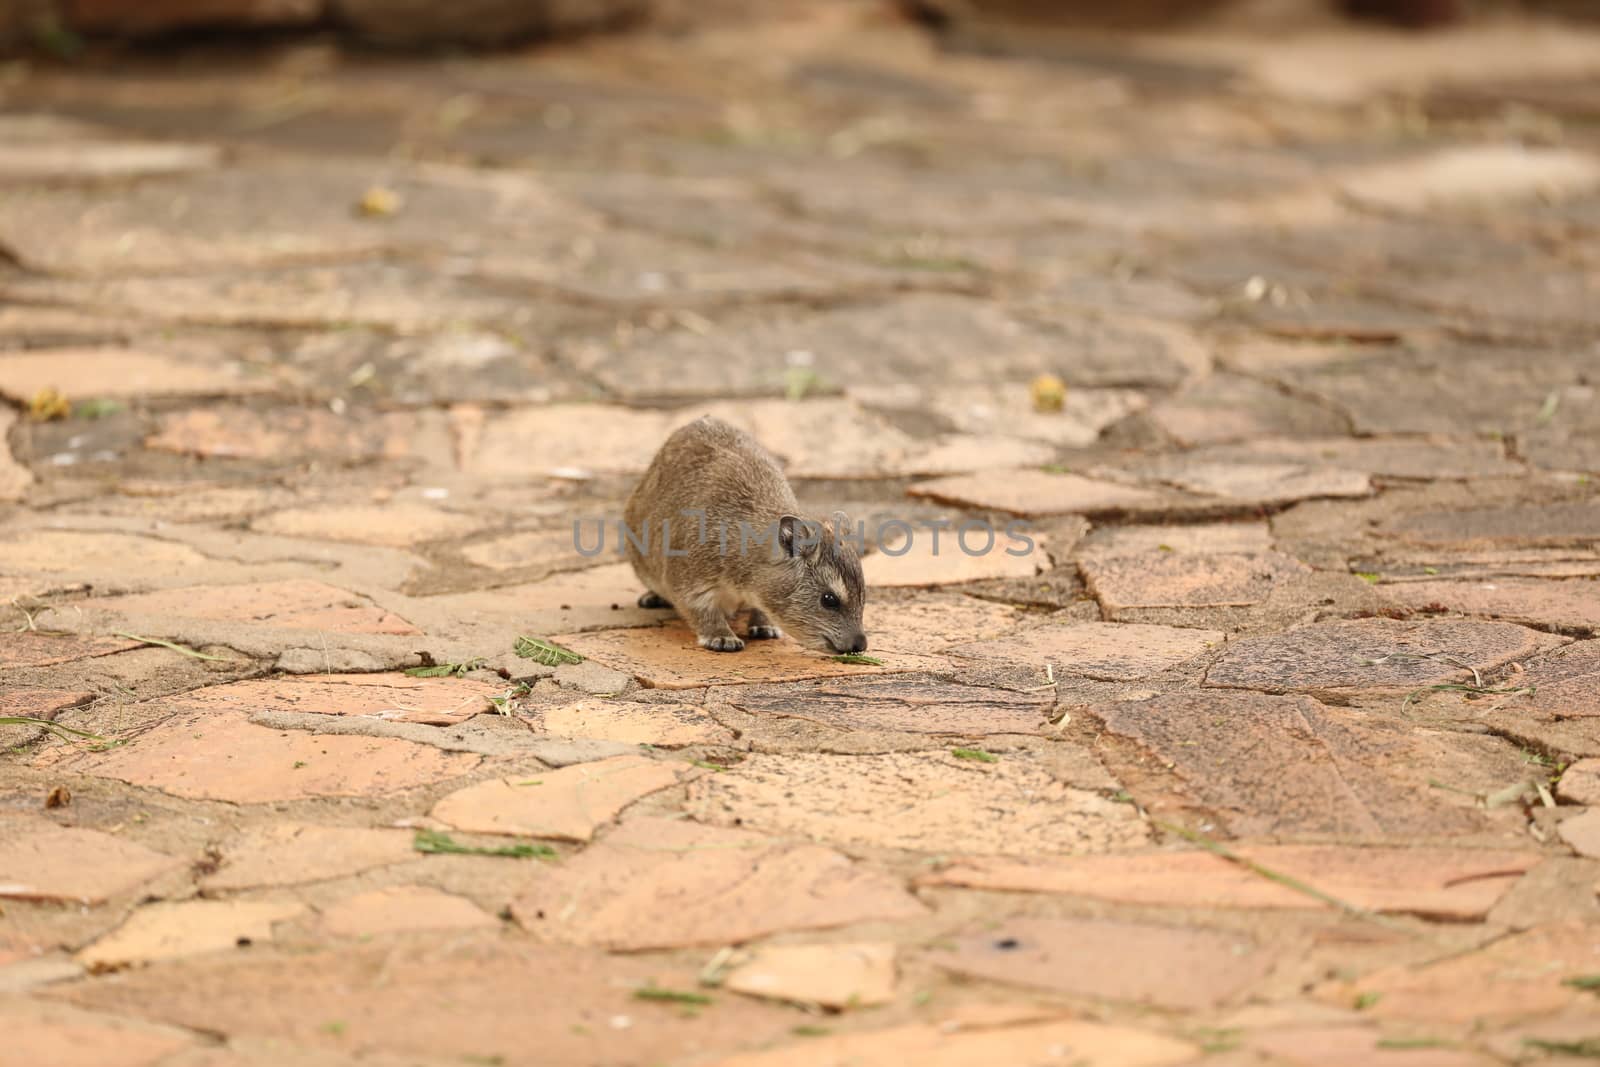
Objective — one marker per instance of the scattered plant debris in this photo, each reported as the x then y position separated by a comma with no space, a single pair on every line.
674,996
176,648
540,651
856,657
429,669
975,754
66,733
434,841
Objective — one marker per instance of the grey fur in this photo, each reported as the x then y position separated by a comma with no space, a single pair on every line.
709,466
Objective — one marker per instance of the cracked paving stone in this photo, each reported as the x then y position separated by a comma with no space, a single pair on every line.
1572,524
718,886
1035,492
118,372
38,1032
292,853
1333,1045
606,593
392,697
1112,652
1580,782
568,804
213,755
936,621
963,453
402,909
827,437
597,438
291,604
1510,978
30,649
909,704
1458,885
1224,407
1562,605
1009,807
101,160
952,556
1257,484
95,554
662,725
955,1046
368,1000
1582,832
262,213
284,435
1221,538
1427,459
1562,713
41,703
839,976
1287,764
1472,175
667,657
1165,966
42,861
1002,412
14,477
1373,655
167,930
554,548
391,525
1168,579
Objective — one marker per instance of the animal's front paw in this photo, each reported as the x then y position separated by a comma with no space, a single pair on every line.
764,633
729,643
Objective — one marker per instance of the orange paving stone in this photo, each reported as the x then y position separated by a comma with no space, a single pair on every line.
568,804
293,853
295,603
390,696
42,861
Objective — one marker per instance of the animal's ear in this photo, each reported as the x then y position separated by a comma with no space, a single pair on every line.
798,537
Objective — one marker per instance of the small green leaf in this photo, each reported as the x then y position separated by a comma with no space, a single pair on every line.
544,652
1369,577
432,841
1583,981
975,754
674,996
440,671
856,657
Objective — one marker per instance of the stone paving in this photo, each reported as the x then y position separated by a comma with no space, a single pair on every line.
1279,748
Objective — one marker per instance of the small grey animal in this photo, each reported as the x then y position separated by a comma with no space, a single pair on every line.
734,539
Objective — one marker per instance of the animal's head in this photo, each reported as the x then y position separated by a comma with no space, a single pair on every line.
815,590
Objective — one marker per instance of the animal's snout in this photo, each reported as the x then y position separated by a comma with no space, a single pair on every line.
858,643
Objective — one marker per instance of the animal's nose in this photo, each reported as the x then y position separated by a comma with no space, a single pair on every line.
859,644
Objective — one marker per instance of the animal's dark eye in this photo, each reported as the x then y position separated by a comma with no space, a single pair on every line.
830,601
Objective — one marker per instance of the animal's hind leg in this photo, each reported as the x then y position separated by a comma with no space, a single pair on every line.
651,599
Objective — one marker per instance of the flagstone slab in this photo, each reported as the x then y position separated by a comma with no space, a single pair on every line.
285,435
568,804
1168,579
721,886
1423,459
1258,484
1562,713
1473,175
1513,977
38,1032
1036,493
1580,782
42,861
550,548
382,1003
120,372
392,525
1166,966
928,557
41,703
1459,885
668,657
169,930
913,704
292,603
948,1046
1217,538
390,696
14,477
1288,764
1565,605
96,160
403,909
294,853
826,437
1331,1045
597,438
1006,411
217,755
631,722
96,554
934,621
1372,655
1582,832
1108,651
1011,806
837,975
1562,525
1226,407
